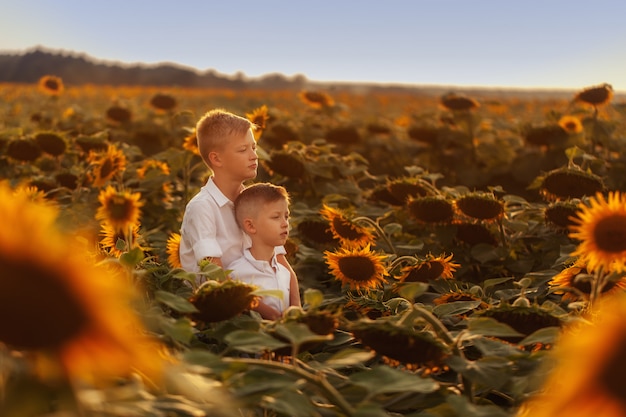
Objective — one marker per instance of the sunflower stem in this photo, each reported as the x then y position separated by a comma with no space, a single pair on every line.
379,230
435,323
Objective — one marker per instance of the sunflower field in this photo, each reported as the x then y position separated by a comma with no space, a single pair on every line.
457,255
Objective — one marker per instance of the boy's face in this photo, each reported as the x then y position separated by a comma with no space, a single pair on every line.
238,157
271,224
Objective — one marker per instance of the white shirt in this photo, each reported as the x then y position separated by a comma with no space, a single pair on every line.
266,275
209,229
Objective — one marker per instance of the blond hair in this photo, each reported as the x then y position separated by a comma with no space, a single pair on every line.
216,127
248,201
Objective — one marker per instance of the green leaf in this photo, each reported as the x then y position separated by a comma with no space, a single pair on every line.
175,302
253,342
486,326
392,228
491,372
466,409
299,333
313,298
383,380
455,307
495,281
132,258
289,403
545,336
349,357
411,290
180,330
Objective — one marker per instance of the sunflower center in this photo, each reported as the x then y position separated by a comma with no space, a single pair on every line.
106,168
357,268
37,309
610,234
347,230
425,272
611,374
119,208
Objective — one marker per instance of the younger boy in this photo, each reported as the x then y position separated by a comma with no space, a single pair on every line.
209,229
262,211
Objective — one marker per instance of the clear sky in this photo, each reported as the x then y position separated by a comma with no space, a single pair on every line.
491,43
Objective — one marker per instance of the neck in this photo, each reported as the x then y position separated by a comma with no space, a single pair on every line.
230,188
261,252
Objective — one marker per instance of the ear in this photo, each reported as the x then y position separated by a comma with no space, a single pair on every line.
215,159
248,226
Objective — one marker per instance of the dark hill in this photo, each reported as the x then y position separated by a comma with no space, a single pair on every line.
77,70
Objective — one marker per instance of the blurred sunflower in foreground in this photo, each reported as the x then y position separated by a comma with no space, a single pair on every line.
586,373
601,229
72,316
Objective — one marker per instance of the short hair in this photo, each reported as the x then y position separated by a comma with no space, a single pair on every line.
248,201
216,127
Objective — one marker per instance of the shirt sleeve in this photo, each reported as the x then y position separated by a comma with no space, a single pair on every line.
200,231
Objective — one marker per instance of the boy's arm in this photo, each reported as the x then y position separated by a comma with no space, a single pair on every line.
267,312
294,287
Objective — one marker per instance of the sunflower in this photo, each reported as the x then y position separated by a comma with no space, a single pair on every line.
51,143
31,193
316,232
480,205
190,143
24,150
359,268
66,179
562,213
105,165
398,345
571,124
51,85
118,115
570,182
596,95
119,209
112,238
456,296
285,163
259,117
404,188
163,102
425,134
568,278
152,165
58,304
222,300
586,368
601,228
343,135
316,99
523,319
431,209
173,250
474,234
345,230
548,135
457,102
430,268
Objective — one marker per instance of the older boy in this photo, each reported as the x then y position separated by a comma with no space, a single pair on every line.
262,211
209,229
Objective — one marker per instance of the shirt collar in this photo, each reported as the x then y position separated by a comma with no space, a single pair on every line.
260,265
216,193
